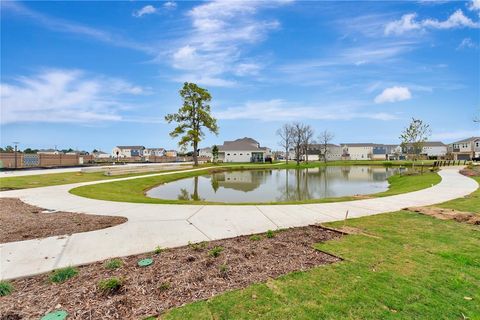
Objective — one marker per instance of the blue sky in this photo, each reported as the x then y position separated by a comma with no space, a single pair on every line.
98,74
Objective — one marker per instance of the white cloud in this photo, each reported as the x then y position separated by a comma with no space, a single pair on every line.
170,5
466,43
149,9
64,96
474,5
454,135
281,110
393,94
408,23
215,45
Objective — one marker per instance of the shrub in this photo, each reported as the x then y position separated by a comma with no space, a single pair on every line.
6,288
110,285
197,246
223,269
113,264
256,237
215,252
158,250
164,286
270,234
61,275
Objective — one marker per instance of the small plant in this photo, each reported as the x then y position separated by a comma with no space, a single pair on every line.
164,286
6,288
197,246
270,234
256,237
110,285
223,269
158,250
61,275
215,252
113,264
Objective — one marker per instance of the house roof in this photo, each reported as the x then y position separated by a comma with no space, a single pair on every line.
100,152
156,149
467,140
243,144
359,144
131,147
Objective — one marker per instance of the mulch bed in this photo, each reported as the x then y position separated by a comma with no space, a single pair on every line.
177,276
20,221
473,171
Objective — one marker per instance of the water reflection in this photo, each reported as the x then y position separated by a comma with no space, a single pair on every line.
278,185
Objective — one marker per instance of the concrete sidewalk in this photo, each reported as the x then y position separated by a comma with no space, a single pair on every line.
150,225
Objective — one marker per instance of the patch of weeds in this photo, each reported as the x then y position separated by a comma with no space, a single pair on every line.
197,246
63,274
113,264
158,250
215,252
256,237
223,269
164,286
110,285
270,234
6,288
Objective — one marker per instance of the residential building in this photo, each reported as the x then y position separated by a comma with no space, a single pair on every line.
171,153
205,152
48,151
127,151
316,152
386,152
155,152
242,150
465,149
357,151
100,155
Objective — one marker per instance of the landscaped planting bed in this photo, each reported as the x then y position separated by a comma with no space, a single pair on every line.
121,289
20,221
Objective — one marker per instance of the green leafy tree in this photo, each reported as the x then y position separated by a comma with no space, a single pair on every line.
9,149
192,117
215,153
413,138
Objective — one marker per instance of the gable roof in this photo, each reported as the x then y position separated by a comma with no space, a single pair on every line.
131,147
243,144
467,140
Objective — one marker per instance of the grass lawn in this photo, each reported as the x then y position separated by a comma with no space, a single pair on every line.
134,190
408,266
471,203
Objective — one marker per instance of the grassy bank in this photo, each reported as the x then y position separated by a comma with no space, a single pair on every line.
404,266
470,203
134,190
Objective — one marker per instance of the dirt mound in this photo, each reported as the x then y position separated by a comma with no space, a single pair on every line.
448,214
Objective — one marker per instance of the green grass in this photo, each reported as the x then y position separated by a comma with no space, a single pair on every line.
6,288
470,203
113,264
404,266
134,190
61,275
110,285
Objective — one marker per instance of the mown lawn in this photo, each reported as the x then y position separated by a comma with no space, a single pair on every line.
471,203
407,266
134,190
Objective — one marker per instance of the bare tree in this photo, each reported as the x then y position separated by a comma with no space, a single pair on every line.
307,139
414,137
324,140
286,135
298,139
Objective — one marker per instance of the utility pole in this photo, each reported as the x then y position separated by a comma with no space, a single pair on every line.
15,153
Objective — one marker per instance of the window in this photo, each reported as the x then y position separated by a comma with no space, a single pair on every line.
234,154
228,154
241,154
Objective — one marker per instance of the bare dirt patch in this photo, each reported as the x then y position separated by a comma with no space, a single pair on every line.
177,276
448,214
20,221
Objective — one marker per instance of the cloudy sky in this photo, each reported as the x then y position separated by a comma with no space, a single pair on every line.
98,74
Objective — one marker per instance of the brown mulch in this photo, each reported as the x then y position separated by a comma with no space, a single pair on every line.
473,171
177,276
448,214
21,221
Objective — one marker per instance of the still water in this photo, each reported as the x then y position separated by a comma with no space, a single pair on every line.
278,185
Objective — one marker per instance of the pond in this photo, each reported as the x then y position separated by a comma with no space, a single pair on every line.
277,185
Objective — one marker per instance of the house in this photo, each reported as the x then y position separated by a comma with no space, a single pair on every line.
357,151
386,152
48,151
154,152
171,153
242,150
465,149
127,151
100,155
205,152
315,152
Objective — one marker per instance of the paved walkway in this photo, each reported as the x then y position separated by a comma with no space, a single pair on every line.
150,225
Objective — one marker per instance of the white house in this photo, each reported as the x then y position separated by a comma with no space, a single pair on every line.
315,152
127,151
48,151
465,149
205,152
100,155
156,152
434,149
357,151
242,150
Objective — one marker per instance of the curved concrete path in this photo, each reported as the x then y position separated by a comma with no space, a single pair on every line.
150,225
